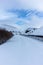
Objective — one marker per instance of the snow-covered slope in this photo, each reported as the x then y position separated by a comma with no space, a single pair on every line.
14,29
21,51
29,31
39,31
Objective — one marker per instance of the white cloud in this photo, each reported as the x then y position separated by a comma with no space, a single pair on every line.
6,15
21,4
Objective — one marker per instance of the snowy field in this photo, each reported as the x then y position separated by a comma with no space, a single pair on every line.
21,51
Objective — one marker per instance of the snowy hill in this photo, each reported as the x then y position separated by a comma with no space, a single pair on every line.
39,31
35,33
30,30
13,29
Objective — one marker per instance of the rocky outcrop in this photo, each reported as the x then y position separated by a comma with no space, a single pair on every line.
5,35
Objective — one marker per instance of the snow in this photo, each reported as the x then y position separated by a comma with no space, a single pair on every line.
29,31
21,50
39,31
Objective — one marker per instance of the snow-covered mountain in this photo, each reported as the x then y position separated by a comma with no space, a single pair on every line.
39,31
30,30
14,29
35,33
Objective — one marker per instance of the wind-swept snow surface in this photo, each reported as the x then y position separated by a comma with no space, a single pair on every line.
21,50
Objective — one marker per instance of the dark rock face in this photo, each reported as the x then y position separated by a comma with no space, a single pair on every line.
30,30
5,35
27,31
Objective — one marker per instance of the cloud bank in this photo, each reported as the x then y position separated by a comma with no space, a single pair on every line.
21,4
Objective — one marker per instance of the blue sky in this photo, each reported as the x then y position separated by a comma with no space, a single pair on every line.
22,11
